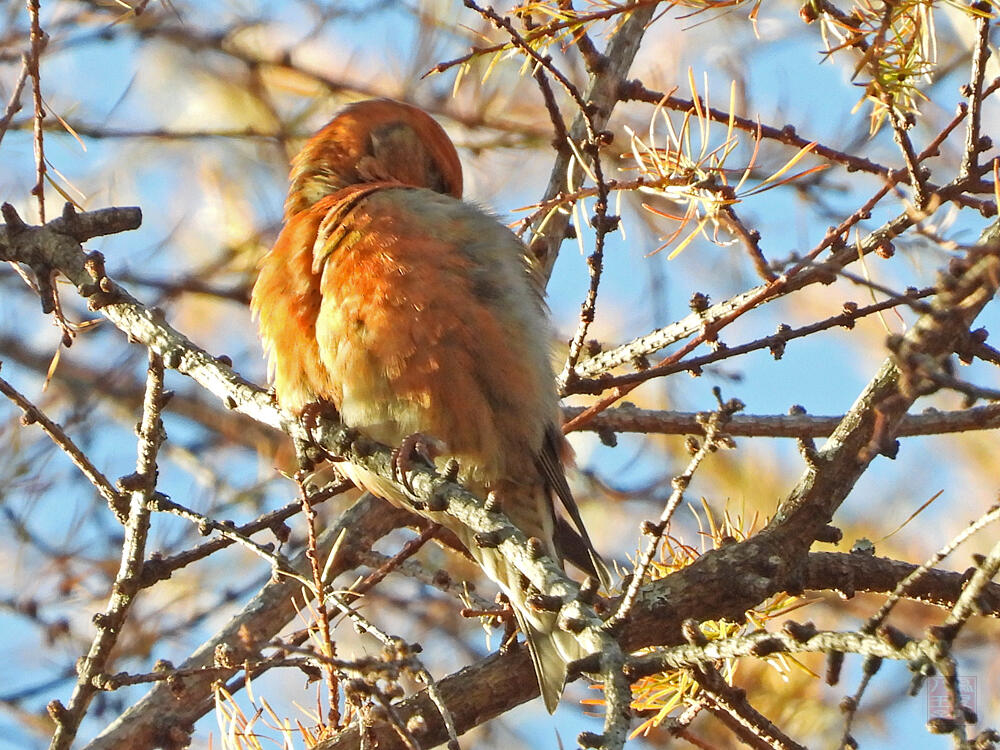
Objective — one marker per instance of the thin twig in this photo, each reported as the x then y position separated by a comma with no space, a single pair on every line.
902,138
548,29
391,642
263,617
392,563
601,222
971,391
438,579
630,419
714,426
634,90
250,667
669,658
561,140
751,241
126,585
13,107
14,102
161,568
851,704
731,706
279,563
32,414
904,586
34,57
329,648
804,272
713,318
974,90
602,94
941,639
775,342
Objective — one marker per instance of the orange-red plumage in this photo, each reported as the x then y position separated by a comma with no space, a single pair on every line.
413,312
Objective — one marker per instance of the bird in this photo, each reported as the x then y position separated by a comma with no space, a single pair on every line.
412,312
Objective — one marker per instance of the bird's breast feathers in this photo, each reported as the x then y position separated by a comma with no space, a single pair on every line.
428,320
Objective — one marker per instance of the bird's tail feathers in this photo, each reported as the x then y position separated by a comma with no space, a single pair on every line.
552,649
548,655
578,550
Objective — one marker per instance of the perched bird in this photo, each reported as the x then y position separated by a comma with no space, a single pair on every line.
414,313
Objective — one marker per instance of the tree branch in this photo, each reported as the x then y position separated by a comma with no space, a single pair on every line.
166,715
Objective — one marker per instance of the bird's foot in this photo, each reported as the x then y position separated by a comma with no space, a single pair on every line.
413,446
313,412
504,616
307,455
509,622
308,451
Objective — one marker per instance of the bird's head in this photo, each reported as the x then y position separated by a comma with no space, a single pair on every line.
378,140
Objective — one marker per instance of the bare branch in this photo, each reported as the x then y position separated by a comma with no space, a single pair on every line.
715,438
32,414
974,90
627,418
160,716
38,40
110,623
